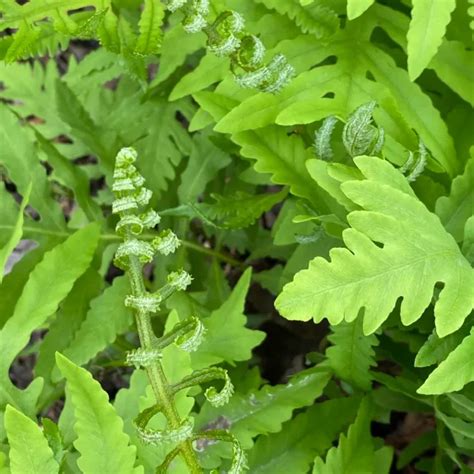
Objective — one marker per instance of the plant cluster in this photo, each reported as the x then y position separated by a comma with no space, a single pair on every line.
291,292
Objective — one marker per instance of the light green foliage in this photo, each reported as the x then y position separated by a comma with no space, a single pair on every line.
227,337
29,450
417,252
100,440
454,210
48,284
427,28
316,19
105,320
16,234
149,40
355,8
297,443
250,223
355,452
263,411
454,372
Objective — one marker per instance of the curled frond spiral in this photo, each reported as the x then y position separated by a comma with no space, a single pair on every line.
130,196
227,37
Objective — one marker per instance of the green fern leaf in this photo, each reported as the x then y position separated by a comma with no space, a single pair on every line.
355,452
240,209
151,20
436,348
338,89
452,65
36,10
15,235
263,411
318,20
48,284
29,450
351,356
454,210
18,155
355,8
101,442
281,155
106,319
68,320
204,163
454,372
227,339
417,253
427,28
298,442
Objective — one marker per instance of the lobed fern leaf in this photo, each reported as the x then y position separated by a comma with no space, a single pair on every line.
298,442
415,253
103,445
351,355
338,89
47,285
227,339
355,453
29,450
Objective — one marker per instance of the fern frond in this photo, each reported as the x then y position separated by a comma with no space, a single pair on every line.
322,138
151,20
416,252
101,442
318,20
351,354
29,450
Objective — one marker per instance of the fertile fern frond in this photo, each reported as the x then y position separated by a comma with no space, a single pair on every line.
359,136
131,196
227,38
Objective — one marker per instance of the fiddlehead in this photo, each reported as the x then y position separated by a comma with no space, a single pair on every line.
226,36
131,255
415,163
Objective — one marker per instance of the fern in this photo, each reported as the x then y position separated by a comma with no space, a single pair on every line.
415,248
316,19
29,450
427,28
100,439
57,273
454,372
15,236
149,39
351,354
355,452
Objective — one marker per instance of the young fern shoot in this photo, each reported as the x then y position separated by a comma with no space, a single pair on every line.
132,254
226,36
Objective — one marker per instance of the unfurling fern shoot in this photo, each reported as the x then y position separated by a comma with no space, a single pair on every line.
226,36
130,198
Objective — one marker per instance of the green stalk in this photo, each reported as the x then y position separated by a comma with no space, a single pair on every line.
155,372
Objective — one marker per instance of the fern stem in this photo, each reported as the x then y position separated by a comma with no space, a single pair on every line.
160,385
